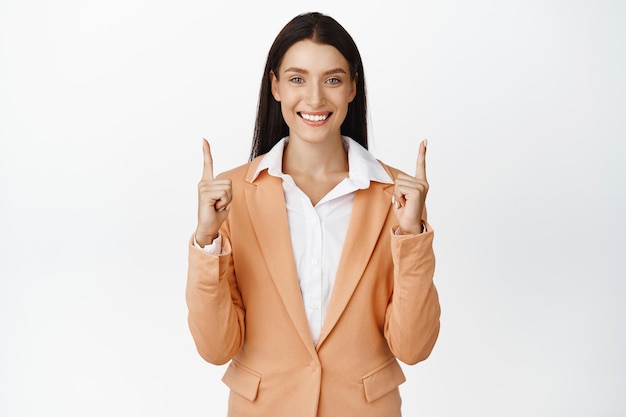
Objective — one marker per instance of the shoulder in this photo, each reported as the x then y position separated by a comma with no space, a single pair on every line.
242,172
393,172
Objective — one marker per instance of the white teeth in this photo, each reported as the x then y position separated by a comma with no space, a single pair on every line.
314,118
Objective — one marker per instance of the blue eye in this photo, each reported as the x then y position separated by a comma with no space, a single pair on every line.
297,80
333,80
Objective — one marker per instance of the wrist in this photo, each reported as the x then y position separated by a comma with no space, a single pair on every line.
204,239
411,231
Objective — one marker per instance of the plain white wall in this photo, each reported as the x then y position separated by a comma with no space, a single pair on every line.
102,109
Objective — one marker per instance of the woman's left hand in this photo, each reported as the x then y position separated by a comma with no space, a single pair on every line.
410,195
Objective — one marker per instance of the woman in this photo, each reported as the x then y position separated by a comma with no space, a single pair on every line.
311,266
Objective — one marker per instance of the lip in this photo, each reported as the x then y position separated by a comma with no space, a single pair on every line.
315,122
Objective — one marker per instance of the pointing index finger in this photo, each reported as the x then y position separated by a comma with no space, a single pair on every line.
420,169
207,170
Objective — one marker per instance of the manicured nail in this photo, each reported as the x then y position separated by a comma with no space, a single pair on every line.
425,143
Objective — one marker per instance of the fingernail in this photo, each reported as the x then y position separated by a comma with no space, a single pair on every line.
425,143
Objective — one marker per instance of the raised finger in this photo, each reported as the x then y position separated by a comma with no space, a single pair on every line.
207,170
420,169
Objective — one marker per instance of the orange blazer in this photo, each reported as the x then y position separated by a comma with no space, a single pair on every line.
245,306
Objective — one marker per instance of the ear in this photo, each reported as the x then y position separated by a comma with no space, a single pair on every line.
353,85
274,82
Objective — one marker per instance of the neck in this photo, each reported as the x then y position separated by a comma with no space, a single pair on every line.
315,158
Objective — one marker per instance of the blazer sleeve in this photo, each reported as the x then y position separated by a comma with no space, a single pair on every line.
216,310
412,316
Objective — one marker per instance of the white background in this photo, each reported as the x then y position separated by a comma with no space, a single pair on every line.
102,109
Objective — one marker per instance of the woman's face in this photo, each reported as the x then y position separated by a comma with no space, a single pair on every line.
314,88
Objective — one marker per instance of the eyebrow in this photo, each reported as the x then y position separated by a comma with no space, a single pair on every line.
303,71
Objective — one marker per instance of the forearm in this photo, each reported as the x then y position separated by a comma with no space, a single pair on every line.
412,320
216,314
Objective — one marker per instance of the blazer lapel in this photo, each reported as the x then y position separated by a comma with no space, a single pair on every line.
369,213
266,203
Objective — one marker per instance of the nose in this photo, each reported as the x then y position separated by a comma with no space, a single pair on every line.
314,95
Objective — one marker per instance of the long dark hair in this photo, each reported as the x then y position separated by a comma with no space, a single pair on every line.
270,126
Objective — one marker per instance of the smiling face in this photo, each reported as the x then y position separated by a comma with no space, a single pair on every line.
314,88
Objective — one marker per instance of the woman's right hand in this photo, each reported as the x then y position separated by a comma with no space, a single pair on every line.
214,196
